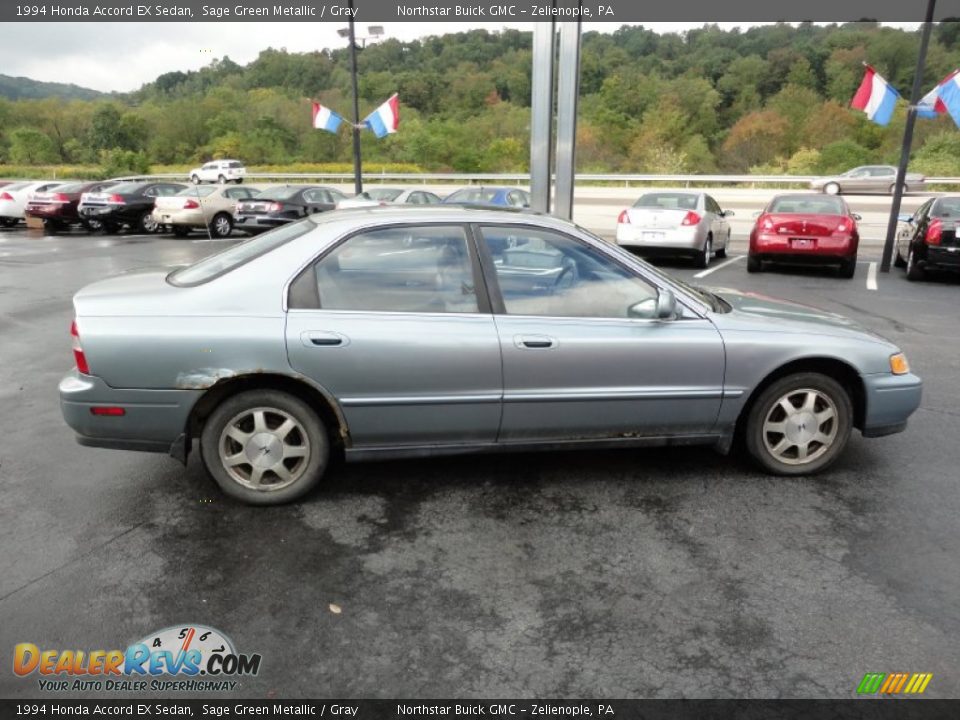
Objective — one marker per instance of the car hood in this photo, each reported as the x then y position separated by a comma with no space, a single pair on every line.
767,314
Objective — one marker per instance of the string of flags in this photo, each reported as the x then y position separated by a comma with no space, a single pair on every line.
877,98
383,121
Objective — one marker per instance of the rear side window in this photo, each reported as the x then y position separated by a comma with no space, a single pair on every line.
197,191
232,258
403,269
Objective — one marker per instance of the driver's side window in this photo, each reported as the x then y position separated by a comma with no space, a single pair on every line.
549,274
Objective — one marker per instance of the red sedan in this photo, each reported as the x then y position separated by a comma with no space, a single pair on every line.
805,230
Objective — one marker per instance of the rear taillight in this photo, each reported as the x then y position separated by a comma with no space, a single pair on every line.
275,207
191,205
6,196
116,200
934,233
765,223
624,218
691,218
78,355
60,198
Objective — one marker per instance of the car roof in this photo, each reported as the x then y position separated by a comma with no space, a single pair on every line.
437,213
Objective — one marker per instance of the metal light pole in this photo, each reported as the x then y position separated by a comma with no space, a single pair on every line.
349,32
907,140
357,173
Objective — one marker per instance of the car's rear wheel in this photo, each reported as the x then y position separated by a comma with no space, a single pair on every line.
703,258
265,447
914,271
221,180
848,268
799,425
91,225
753,264
893,188
222,225
8,222
195,179
831,189
147,224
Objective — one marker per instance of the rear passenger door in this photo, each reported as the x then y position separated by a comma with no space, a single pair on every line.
318,200
395,324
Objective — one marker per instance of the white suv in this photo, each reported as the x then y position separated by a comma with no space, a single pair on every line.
219,171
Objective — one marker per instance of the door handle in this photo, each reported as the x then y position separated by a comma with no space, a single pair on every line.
534,342
316,338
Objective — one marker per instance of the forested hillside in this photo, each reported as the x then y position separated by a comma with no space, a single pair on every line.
769,99
16,88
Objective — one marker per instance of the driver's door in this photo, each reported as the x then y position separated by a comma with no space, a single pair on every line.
575,364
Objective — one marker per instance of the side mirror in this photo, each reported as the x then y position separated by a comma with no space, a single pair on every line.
728,213
662,307
903,217
856,216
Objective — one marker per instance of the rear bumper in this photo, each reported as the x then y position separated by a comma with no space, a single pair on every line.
654,240
258,222
943,257
193,218
890,401
824,249
153,419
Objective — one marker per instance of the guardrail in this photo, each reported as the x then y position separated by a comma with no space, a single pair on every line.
524,178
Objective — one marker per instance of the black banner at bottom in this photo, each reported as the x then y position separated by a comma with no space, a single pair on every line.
853,709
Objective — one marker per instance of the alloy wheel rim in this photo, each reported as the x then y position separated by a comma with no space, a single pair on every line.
222,226
801,426
149,224
264,449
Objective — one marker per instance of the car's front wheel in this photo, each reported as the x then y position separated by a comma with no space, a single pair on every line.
265,447
831,189
195,179
799,425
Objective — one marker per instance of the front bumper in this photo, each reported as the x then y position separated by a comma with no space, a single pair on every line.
890,400
154,419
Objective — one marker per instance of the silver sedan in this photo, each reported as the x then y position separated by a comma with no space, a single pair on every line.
868,179
676,223
392,332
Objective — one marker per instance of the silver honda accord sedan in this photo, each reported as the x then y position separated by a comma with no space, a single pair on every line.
400,331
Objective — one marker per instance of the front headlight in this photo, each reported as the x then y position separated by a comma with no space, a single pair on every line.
899,364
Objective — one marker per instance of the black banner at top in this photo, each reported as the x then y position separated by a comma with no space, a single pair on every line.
613,11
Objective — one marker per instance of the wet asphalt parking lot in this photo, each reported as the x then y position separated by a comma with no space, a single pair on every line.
632,573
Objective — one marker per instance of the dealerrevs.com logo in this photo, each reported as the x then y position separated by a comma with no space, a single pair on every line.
186,658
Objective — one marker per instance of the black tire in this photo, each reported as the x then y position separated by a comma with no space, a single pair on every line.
110,228
848,268
754,265
221,225
239,181
832,188
702,260
50,227
898,260
768,405
8,222
146,224
914,271
195,179
181,231
893,188
310,432
221,180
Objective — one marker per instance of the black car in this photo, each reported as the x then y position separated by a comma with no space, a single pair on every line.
126,204
282,204
928,239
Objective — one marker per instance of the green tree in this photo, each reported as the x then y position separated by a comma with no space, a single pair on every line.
31,147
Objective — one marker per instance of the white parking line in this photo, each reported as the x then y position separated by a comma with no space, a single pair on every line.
872,276
718,267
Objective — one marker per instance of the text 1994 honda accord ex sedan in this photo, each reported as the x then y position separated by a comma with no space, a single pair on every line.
383,332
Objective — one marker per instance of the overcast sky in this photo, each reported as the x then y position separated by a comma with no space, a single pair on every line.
124,56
